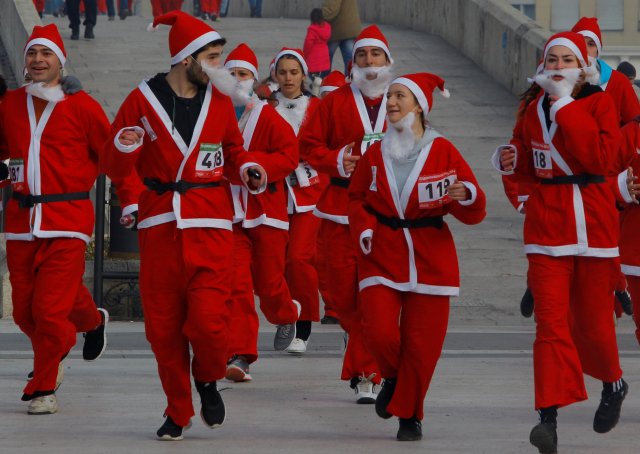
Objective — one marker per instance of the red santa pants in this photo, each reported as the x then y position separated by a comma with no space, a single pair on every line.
258,266
301,273
408,350
39,4
185,279
48,301
342,272
575,331
159,7
210,7
633,283
323,257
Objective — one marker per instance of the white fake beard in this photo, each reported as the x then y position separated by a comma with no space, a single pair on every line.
372,88
221,78
399,141
242,93
48,93
292,110
593,75
562,87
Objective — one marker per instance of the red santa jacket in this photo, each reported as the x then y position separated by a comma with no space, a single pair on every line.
267,133
215,151
305,184
55,154
340,119
584,138
625,99
421,260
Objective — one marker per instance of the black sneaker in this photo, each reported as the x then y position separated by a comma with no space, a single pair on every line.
95,341
170,431
329,320
526,304
544,436
608,412
624,299
213,411
410,430
88,32
384,397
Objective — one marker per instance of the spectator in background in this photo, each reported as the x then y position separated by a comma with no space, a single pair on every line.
344,18
209,9
256,8
90,18
224,8
39,4
160,7
629,70
316,49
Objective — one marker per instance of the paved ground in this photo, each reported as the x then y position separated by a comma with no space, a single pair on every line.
481,396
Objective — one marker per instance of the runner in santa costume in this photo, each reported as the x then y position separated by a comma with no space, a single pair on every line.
571,138
618,86
304,186
332,82
345,125
407,264
52,140
181,135
261,222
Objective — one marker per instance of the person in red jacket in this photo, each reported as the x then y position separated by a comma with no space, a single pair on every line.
304,186
315,48
180,134
571,138
347,122
407,264
261,222
52,140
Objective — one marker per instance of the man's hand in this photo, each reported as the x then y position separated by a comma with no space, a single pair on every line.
507,158
458,191
632,186
129,137
254,177
349,162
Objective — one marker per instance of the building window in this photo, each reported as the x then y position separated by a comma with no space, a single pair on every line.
564,14
526,7
610,14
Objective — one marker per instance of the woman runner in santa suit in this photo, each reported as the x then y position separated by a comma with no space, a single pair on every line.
407,264
571,137
261,222
305,185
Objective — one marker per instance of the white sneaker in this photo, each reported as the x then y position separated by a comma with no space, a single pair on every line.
365,390
297,347
60,376
43,405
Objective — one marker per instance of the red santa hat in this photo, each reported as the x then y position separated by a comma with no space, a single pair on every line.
422,86
573,41
333,81
187,34
297,53
243,57
371,36
589,28
47,36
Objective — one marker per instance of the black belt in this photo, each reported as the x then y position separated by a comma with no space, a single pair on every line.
28,201
176,186
343,183
397,223
582,179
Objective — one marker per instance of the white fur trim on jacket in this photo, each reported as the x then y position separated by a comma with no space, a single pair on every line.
366,234
559,104
623,188
129,148
474,194
495,159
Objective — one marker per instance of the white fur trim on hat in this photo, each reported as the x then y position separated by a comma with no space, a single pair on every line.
47,43
373,42
327,88
242,64
295,54
567,43
416,90
194,45
594,37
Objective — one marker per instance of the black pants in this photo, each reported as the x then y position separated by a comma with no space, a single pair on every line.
90,13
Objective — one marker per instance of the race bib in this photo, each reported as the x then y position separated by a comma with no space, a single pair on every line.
16,173
370,139
432,189
306,175
210,161
542,160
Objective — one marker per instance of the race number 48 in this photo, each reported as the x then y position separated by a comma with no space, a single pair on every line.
210,161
